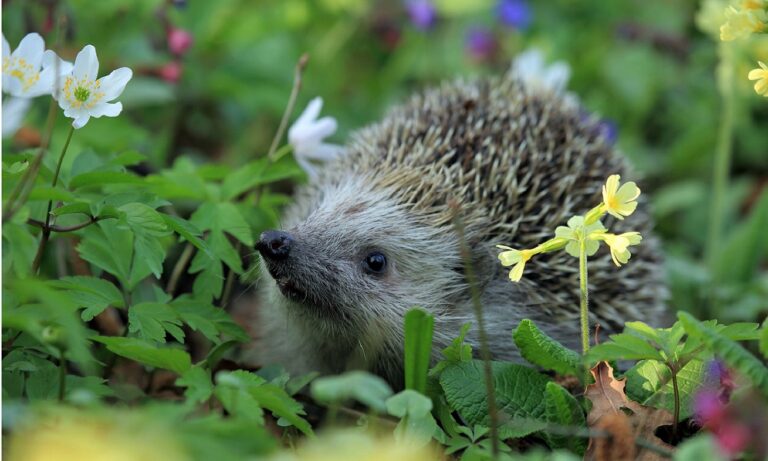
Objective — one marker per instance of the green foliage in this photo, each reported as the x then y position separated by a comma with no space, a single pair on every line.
721,341
363,387
418,348
563,409
650,382
539,349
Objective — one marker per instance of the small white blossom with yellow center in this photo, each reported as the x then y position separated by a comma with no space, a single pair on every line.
307,134
619,200
30,71
82,96
761,75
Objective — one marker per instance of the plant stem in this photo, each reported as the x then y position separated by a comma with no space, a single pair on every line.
722,162
178,269
230,282
62,375
72,228
24,187
485,352
300,65
47,229
584,294
677,403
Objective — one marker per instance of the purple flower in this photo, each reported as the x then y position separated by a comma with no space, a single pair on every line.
708,408
422,12
514,13
609,130
481,44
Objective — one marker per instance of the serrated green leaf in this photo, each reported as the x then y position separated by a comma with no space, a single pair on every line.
731,352
147,353
187,230
144,219
519,391
93,294
366,388
19,249
256,173
623,346
650,383
281,404
563,409
152,320
418,348
198,384
208,319
109,248
539,349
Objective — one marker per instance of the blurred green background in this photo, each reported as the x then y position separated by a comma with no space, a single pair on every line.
643,65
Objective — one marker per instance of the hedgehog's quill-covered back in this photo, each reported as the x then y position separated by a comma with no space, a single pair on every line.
373,236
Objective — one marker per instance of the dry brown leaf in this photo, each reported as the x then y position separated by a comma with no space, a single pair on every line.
608,400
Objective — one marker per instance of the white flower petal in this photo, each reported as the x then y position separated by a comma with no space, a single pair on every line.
530,68
311,112
6,48
107,109
307,166
31,49
556,77
113,84
323,151
318,131
80,121
51,59
86,64
14,110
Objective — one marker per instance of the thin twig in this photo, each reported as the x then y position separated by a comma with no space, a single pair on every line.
485,352
300,65
230,282
47,228
55,228
179,267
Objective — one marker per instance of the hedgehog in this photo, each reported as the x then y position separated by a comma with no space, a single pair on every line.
373,235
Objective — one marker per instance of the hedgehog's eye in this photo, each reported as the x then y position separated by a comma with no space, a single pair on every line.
375,263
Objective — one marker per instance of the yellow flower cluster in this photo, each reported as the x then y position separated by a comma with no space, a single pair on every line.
743,18
761,75
357,445
619,201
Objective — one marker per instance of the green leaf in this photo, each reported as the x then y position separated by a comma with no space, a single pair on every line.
73,208
650,383
519,390
94,294
256,173
19,249
209,320
764,339
731,352
418,348
539,349
197,380
563,409
740,255
144,219
457,352
416,426
185,229
100,178
51,193
366,388
623,346
702,447
281,404
152,320
109,248
147,353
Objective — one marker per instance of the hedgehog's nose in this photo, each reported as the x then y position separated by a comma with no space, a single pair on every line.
274,245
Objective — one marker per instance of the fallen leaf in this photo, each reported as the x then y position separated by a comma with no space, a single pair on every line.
609,400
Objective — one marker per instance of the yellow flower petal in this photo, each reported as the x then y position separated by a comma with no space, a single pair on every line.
517,272
620,201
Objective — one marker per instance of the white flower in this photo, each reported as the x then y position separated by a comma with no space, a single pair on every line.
306,137
530,68
22,76
82,96
14,110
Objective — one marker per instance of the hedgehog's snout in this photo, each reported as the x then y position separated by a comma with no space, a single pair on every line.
274,245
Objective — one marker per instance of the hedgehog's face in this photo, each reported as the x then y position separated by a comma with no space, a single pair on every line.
354,261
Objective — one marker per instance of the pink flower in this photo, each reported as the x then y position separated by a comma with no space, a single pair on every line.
709,408
733,438
171,72
179,40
